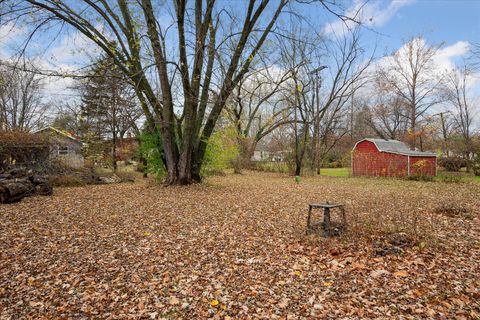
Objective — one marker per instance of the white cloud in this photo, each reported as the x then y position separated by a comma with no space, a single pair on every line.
10,31
445,57
73,50
9,34
370,14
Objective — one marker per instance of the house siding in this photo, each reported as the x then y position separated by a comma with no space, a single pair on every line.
73,158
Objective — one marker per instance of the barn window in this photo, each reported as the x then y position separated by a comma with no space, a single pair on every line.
62,150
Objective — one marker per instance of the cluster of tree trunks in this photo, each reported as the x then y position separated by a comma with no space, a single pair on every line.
19,183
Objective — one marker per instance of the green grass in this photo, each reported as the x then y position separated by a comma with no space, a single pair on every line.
441,176
464,176
335,172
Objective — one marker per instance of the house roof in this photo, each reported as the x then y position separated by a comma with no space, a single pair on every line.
61,132
395,146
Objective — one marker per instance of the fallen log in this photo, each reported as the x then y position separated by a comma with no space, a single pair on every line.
15,190
19,183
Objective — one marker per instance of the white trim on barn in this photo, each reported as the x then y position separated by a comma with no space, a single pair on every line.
408,166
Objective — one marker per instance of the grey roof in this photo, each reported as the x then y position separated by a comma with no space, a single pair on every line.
395,146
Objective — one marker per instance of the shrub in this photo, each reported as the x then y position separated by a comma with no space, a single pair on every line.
151,149
476,165
222,152
452,163
19,147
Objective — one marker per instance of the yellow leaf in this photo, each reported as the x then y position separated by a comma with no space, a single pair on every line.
327,284
297,273
30,281
214,302
147,234
401,274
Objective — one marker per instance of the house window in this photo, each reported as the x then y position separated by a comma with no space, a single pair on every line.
62,150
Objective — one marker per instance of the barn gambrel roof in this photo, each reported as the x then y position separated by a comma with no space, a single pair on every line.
395,146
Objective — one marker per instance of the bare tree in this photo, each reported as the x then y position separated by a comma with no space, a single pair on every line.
459,96
295,48
21,105
257,107
410,73
68,117
387,114
320,100
347,73
136,30
180,58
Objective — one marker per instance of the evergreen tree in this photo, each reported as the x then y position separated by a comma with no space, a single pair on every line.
109,109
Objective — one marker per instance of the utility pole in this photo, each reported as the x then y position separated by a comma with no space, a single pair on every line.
444,130
317,83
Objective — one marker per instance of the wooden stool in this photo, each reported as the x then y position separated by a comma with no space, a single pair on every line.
326,224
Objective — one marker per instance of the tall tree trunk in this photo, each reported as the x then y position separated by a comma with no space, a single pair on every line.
298,167
413,127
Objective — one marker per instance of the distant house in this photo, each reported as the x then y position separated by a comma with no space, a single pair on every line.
265,152
64,147
390,158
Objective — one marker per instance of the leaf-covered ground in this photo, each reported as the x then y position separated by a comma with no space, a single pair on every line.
235,248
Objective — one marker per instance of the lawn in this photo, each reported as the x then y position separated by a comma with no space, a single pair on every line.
235,247
442,175
335,172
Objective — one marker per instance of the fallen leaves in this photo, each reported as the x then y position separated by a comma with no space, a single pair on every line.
174,301
235,248
283,303
401,274
378,273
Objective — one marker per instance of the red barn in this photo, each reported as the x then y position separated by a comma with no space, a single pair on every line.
390,158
